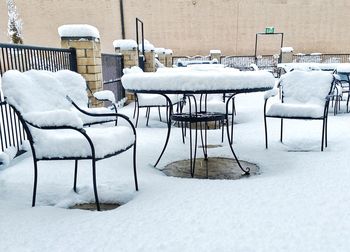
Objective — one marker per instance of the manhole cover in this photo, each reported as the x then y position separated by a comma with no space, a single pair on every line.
92,206
218,168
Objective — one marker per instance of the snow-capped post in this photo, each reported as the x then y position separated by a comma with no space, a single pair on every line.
168,58
160,52
14,24
86,40
127,48
287,54
215,54
150,63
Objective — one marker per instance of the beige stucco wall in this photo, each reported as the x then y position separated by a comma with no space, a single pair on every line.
192,27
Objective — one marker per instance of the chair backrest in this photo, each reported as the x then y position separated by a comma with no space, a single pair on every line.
34,91
306,87
75,86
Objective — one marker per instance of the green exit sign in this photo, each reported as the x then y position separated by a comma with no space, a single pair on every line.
270,29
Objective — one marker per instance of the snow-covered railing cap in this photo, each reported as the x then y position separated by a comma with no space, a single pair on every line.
125,44
215,51
168,51
148,47
159,50
78,31
315,54
287,49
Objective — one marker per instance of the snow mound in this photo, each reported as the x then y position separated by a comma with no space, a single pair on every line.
78,30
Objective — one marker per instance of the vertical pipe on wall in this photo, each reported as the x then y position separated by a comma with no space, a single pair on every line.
122,18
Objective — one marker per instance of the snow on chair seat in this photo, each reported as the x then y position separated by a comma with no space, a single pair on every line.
55,131
304,95
68,142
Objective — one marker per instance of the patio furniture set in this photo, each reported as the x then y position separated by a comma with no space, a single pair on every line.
52,108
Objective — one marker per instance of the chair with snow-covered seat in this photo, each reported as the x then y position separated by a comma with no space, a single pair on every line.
303,95
56,132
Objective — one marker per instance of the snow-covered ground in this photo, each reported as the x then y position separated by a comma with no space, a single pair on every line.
299,202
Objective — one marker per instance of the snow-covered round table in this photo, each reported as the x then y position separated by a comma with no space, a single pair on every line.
200,81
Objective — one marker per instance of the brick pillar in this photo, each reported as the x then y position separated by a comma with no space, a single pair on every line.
287,55
215,54
88,61
168,58
130,59
150,64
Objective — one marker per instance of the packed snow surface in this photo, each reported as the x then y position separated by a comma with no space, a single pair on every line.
125,44
287,49
299,202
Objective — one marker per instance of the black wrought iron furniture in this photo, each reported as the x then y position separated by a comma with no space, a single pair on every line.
54,129
150,101
343,73
190,83
305,96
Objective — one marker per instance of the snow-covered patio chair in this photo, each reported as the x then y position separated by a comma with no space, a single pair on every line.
55,131
304,95
343,75
77,89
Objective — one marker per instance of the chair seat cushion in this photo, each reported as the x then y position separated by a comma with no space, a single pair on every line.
72,144
290,110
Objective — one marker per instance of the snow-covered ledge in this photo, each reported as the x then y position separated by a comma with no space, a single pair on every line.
79,31
86,40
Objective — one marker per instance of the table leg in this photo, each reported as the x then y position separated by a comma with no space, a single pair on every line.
230,140
170,112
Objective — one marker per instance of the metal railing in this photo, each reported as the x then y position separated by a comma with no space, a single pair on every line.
240,62
176,60
23,58
112,71
321,58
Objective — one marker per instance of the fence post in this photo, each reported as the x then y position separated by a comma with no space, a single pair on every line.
128,49
168,58
73,66
215,54
287,55
86,43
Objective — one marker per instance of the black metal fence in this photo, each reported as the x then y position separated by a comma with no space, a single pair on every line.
23,58
178,60
112,71
321,58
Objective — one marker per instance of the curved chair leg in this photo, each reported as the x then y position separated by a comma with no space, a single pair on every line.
266,140
95,185
148,112
134,166
75,175
326,132
137,116
281,137
160,116
323,133
35,181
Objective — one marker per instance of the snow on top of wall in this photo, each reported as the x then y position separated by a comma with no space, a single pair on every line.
198,80
148,47
168,51
215,51
159,50
78,30
125,44
287,49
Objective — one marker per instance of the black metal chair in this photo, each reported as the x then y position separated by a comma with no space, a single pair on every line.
303,95
150,101
55,132
344,82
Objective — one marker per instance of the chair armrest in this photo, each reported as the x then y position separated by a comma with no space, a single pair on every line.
53,119
270,93
105,95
